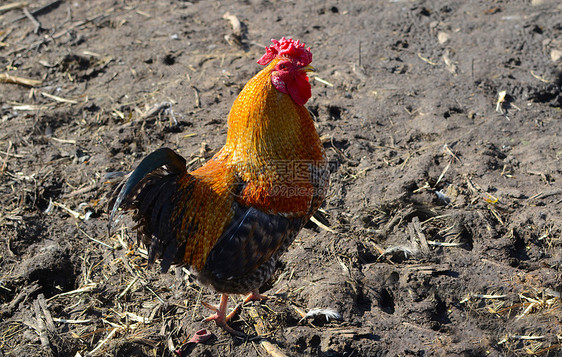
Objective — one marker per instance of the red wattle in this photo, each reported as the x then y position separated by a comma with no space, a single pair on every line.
299,89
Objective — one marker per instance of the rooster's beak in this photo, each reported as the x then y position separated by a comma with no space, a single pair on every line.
308,68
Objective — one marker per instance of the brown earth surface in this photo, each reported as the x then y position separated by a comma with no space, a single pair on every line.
442,228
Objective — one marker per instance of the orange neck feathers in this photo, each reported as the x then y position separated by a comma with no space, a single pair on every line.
264,122
269,135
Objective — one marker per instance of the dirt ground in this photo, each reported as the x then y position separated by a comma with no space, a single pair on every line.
442,229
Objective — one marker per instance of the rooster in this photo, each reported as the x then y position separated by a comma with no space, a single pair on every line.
230,220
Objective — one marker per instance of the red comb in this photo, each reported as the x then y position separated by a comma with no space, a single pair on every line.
287,48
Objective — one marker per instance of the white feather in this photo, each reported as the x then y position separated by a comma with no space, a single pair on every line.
330,314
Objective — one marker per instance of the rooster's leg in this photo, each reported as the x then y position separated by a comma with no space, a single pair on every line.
255,296
220,317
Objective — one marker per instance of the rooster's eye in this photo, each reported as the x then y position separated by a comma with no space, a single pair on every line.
283,66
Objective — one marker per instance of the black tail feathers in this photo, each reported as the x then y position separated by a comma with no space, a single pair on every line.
150,190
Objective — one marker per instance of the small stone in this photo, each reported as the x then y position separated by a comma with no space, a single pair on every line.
555,55
443,37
